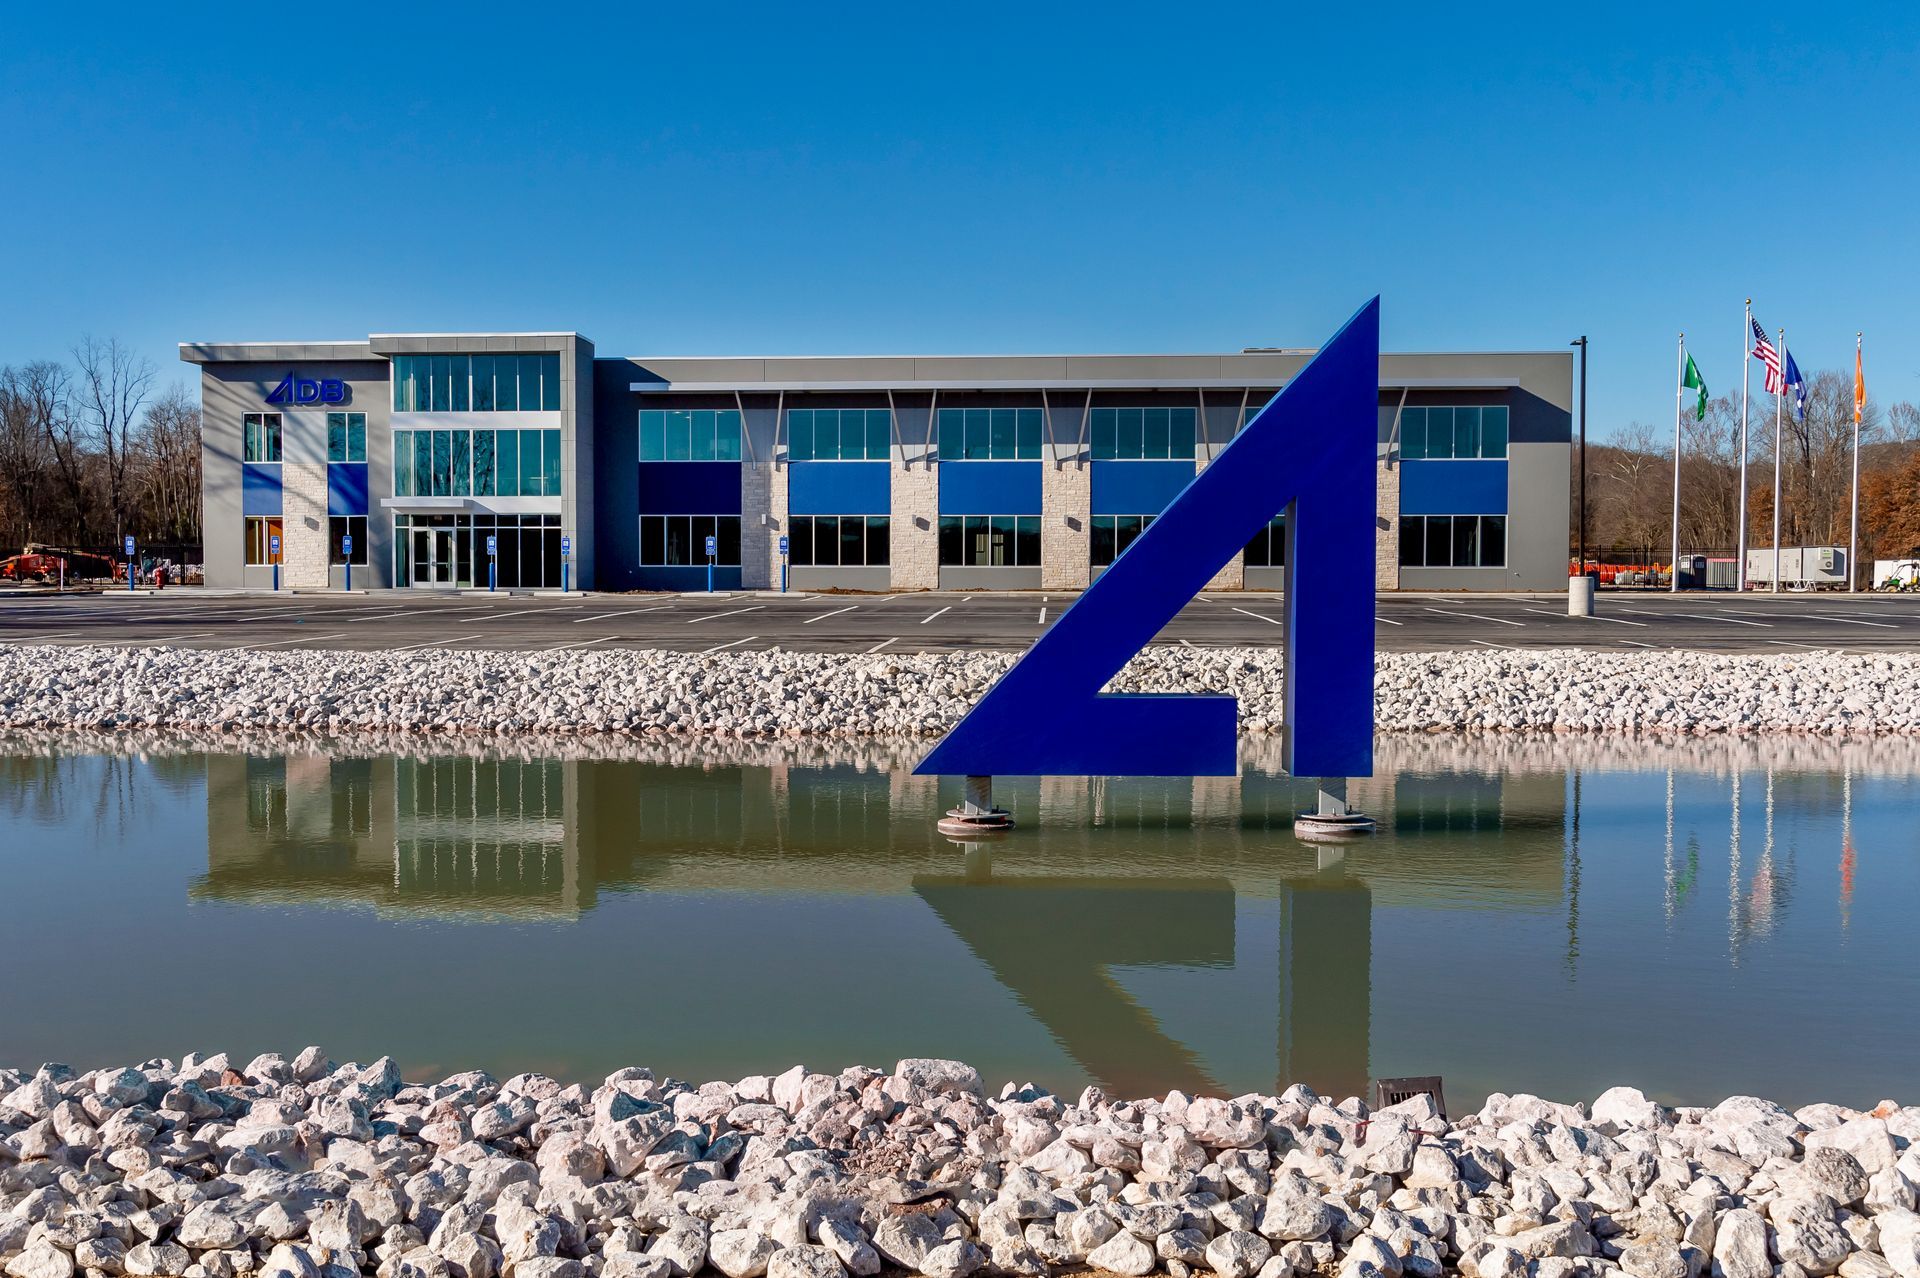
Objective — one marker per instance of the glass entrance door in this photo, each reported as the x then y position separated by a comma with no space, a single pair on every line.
432,557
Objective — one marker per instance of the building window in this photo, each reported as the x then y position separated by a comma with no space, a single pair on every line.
346,437
689,434
990,434
1453,541
1453,434
476,463
476,383
261,532
845,541
261,435
839,434
1141,434
989,541
680,541
343,526
1268,549
1111,534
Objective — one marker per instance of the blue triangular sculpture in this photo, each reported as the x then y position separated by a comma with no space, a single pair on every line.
1310,451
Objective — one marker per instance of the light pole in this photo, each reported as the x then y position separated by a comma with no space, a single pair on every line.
1581,342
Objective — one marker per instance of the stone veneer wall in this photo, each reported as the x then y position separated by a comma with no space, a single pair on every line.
763,491
1233,575
915,550
303,525
1386,524
1066,504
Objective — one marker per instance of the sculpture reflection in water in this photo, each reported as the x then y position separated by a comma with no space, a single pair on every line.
1160,931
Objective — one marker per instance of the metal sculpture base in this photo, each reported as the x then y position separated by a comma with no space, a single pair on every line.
1333,819
976,814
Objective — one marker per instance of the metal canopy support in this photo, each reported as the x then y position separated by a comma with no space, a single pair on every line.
928,453
746,436
1393,436
779,421
1246,395
1200,423
1046,417
893,422
1086,416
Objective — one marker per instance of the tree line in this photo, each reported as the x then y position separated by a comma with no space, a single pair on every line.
1630,479
90,452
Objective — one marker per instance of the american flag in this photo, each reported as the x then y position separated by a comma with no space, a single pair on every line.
1764,352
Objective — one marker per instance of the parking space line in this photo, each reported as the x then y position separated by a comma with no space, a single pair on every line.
296,639
1635,643
197,634
1476,617
435,643
1589,617
823,616
1735,621
731,612
729,644
385,616
1043,617
1388,621
930,616
624,612
1488,643
1811,647
1854,621
583,643
58,634
1257,617
520,612
883,643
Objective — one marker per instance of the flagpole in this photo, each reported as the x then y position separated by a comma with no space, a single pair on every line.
1778,399
1679,389
1746,339
1853,531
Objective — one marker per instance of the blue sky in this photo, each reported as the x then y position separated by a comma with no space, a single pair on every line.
698,179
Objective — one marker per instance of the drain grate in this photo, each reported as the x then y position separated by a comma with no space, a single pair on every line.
1391,1091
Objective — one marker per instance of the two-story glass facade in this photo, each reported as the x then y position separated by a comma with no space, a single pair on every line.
449,461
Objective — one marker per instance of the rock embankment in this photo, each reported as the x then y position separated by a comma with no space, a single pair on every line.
307,1169
776,693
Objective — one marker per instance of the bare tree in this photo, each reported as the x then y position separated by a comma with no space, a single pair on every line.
27,395
109,393
167,478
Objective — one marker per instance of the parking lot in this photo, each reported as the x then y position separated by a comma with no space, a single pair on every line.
934,621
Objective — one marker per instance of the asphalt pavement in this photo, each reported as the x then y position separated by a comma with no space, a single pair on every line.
939,621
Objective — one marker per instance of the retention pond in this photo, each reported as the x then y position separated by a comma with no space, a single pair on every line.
1696,918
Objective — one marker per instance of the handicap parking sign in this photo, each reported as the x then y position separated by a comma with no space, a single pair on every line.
130,546
783,545
273,544
712,545
493,545
346,544
566,545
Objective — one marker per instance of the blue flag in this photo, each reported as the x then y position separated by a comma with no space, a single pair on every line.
1798,386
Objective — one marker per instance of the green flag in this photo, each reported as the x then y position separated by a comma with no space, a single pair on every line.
1694,379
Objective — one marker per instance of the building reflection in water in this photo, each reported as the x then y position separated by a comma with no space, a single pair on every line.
1119,882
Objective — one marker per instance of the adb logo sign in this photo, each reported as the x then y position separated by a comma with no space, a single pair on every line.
308,390
1310,452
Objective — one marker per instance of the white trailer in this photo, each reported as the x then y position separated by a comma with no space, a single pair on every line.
1801,567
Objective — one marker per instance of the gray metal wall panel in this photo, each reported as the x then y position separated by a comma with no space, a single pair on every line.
807,577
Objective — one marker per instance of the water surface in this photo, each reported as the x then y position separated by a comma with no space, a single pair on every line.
1695,918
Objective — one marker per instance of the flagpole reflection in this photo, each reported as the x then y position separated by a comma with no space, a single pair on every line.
1846,848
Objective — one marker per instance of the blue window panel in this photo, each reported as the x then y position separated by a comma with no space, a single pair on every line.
839,488
690,488
259,489
347,488
1137,487
693,578
1453,488
990,488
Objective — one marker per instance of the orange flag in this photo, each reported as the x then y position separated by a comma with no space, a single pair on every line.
1859,384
